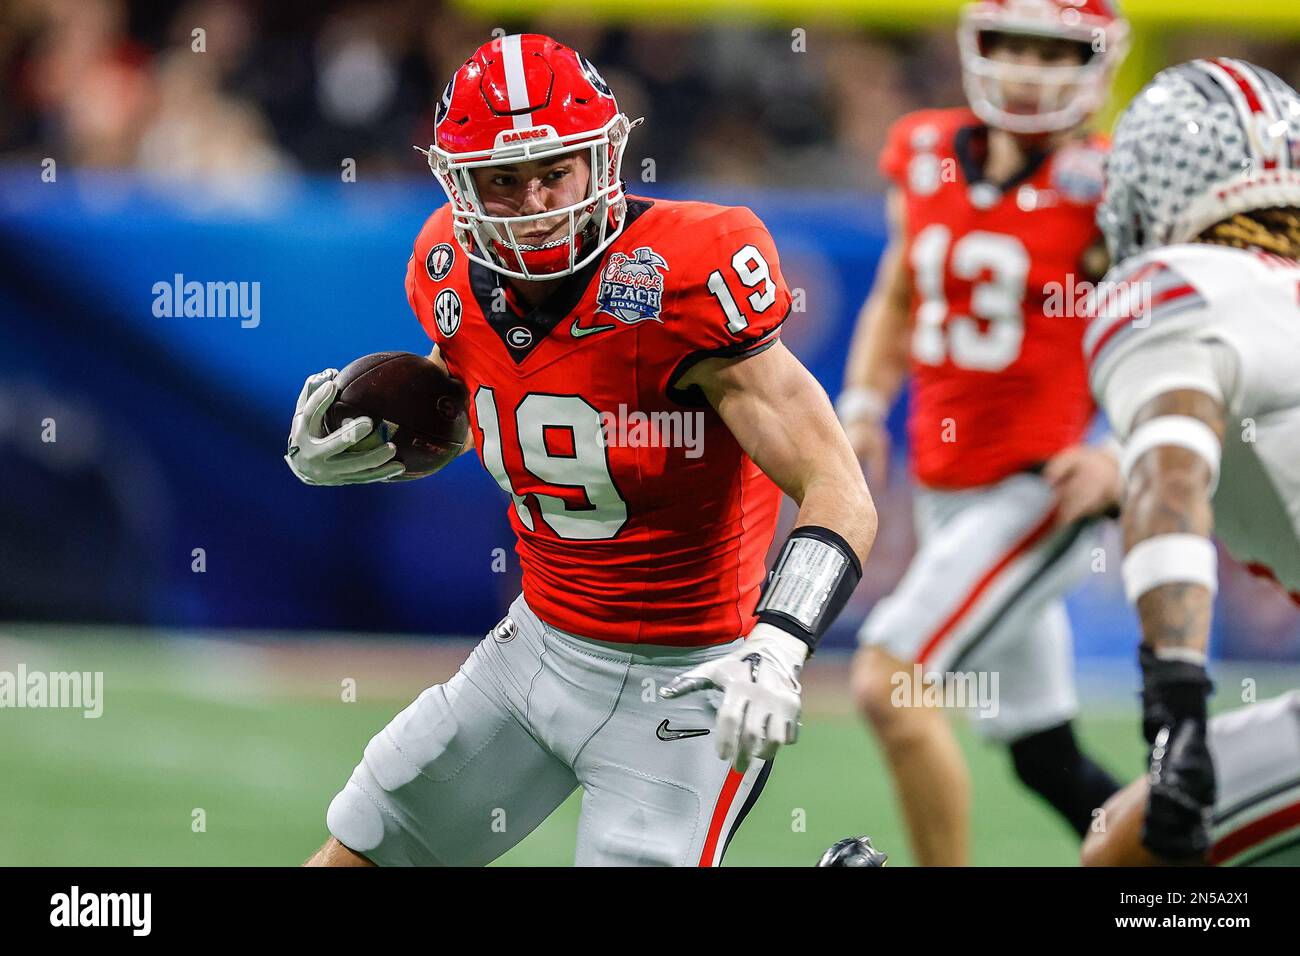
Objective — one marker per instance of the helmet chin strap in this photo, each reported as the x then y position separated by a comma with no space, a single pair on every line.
550,258
545,261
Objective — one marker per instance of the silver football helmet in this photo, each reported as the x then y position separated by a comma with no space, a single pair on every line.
1202,142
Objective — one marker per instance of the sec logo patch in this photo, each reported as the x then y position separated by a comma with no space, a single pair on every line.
439,261
446,312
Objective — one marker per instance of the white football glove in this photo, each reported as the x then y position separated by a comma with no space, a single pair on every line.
320,459
760,685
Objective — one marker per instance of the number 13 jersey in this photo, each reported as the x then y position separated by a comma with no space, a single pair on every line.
998,294
639,518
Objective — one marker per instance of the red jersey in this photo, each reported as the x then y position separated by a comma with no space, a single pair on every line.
998,379
639,517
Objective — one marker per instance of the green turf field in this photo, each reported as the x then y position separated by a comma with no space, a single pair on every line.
260,742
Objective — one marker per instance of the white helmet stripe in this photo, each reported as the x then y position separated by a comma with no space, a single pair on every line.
516,85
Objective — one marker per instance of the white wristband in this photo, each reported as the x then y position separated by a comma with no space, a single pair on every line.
1170,559
1182,431
855,403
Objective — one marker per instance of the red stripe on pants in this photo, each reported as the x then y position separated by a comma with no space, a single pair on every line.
1253,834
720,810
1036,534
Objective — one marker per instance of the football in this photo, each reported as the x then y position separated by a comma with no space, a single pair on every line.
413,403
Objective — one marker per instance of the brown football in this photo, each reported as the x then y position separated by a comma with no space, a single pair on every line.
413,403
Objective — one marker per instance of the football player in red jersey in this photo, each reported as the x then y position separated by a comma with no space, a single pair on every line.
629,392
991,235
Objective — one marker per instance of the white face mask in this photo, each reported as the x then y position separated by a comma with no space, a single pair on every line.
1049,98
594,221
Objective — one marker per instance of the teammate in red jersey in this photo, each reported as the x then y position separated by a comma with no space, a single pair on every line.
629,392
977,298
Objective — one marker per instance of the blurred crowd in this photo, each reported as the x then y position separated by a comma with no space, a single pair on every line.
273,86
179,89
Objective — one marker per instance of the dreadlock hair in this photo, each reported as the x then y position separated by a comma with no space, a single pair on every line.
1275,229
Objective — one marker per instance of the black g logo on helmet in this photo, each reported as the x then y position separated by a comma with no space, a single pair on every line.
593,76
444,104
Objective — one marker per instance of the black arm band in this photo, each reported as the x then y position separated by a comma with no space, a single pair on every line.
812,581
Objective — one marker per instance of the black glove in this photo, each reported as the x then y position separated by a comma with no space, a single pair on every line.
1177,823
1181,774
1172,690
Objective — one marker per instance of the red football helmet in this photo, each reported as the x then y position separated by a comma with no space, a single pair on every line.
520,98
1066,95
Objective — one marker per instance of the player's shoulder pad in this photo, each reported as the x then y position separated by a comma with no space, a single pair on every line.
1142,294
926,134
705,221
433,257
925,130
436,229
1201,265
730,291
697,237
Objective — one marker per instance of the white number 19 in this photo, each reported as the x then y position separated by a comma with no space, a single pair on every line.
753,271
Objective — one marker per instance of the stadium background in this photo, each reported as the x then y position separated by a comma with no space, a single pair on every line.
127,157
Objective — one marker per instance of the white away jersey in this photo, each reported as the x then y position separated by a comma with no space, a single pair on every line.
1256,751
1226,322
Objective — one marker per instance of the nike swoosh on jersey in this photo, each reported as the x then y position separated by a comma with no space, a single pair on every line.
578,331
664,732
